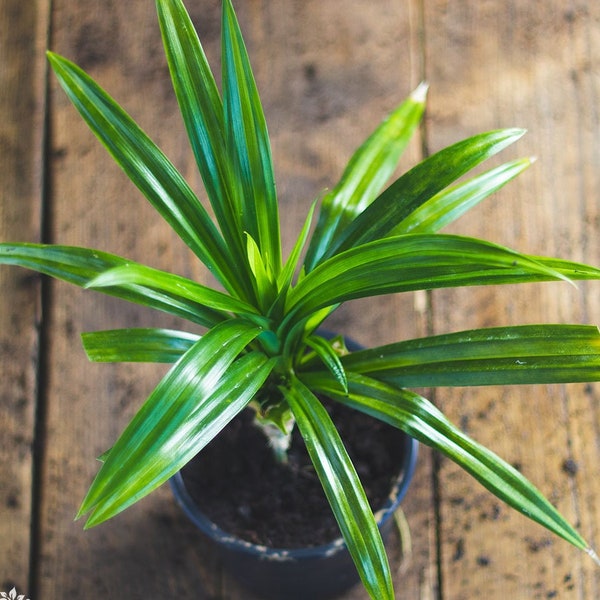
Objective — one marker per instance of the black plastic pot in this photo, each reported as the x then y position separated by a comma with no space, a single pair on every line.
297,574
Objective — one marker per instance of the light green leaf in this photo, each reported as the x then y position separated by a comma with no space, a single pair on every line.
365,175
343,490
419,184
149,169
263,280
248,143
137,345
201,393
523,354
80,266
174,286
423,421
287,274
453,202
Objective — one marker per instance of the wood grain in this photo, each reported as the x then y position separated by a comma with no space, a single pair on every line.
493,65
23,28
327,72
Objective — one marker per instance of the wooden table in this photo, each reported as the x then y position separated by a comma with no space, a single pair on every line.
328,71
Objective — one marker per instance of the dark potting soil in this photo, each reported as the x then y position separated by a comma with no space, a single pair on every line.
240,487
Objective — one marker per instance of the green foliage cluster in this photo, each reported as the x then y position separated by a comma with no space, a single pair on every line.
262,347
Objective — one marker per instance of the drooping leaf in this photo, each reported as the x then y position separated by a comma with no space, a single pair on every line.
248,143
80,266
150,170
137,345
523,354
420,184
201,393
365,175
343,489
419,418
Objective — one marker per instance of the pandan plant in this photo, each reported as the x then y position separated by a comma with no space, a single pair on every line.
262,347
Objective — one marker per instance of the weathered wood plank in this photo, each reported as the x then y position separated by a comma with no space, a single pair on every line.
533,65
22,39
327,76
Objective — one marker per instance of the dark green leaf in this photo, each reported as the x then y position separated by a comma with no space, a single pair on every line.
420,184
329,356
201,393
503,355
248,143
80,266
410,262
453,202
423,421
202,111
174,286
149,170
343,490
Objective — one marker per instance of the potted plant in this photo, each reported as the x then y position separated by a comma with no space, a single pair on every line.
263,347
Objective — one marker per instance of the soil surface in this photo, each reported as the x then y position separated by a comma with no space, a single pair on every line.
239,486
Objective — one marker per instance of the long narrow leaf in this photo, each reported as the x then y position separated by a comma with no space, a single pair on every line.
422,420
327,354
201,393
421,183
149,169
450,204
365,175
248,143
343,490
137,345
410,262
80,266
202,111
175,286
524,354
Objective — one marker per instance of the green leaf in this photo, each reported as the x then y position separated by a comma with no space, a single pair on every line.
343,490
419,184
451,203
248,143
524,354
149,170
287,274
423,421
329,356
202,111
410,262
80,266
174,286
201,393
137,345
263,281
365,175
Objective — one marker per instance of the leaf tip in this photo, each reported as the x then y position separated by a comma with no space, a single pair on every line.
592,554
419,94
